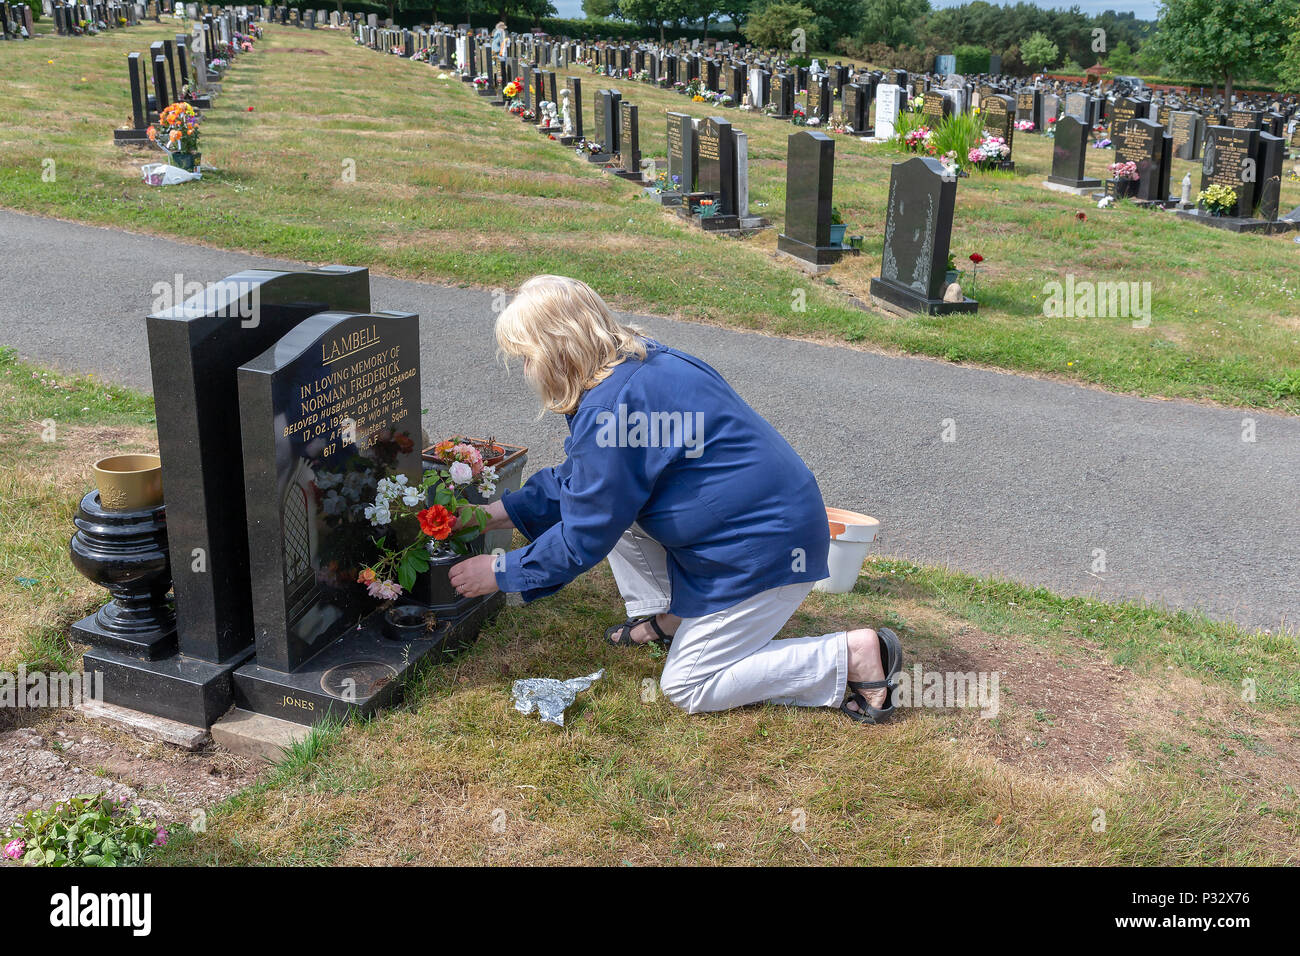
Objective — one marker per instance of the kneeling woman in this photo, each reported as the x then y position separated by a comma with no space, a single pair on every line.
713,526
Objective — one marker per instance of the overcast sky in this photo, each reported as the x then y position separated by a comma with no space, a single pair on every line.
1146,9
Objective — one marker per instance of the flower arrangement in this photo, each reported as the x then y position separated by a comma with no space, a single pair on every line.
445,519
920,140
480,81
177,129
1025,126
643,76
990,151
707,208
1103,143
797,116
838,124
1122,170
1217,199
587,146
950,165
665,183
511,90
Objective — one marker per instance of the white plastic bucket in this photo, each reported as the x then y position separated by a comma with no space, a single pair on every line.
851,537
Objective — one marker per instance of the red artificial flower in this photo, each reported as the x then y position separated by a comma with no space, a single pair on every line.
1081,216
437,522
250,109
976,258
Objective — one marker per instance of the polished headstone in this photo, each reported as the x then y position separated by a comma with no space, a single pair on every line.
328,411
810,171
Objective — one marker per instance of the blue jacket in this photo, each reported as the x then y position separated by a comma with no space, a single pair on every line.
667,443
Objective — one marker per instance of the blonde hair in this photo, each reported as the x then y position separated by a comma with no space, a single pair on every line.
567,336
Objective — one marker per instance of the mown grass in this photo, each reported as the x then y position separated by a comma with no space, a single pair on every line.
1152,764
1182,732
448,188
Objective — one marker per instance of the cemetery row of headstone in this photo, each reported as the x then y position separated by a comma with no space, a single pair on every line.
181,70
706,175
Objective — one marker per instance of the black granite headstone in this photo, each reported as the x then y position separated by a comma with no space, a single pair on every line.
194,351
717,157
629,140
682,158
327,411
918,231
1230,161
810,171
1070,153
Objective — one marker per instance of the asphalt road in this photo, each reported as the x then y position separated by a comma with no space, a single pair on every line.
1041,477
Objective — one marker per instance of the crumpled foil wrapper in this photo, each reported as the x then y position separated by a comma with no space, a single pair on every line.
549,696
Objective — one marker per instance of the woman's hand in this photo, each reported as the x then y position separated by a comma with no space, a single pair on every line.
474,576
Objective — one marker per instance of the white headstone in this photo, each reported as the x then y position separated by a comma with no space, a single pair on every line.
756,88
887,103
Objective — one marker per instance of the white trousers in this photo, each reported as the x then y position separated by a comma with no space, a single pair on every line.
729,658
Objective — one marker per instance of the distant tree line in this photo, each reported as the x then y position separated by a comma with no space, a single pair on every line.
1218,42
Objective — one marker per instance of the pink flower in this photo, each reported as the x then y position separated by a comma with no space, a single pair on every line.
461,473
160,837
384,590
15,849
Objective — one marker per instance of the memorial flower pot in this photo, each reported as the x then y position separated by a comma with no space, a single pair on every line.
851,537
837,234
129,482
1124,188
408,622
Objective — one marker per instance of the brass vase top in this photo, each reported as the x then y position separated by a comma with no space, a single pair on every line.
129,482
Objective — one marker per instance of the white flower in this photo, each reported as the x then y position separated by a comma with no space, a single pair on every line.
401,480
334,503
378,514
411,498
461,472
487,489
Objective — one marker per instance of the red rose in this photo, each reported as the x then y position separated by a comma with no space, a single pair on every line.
1081,216
976,258
437,522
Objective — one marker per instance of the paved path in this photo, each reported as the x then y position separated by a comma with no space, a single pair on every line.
1040,477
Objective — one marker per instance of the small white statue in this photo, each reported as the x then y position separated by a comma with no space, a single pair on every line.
568,116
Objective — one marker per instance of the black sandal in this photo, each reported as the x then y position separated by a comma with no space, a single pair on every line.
624,632
891,655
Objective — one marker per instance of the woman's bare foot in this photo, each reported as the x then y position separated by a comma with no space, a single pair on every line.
643,633
865,664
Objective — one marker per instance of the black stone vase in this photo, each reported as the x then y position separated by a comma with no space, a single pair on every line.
433,587
126,552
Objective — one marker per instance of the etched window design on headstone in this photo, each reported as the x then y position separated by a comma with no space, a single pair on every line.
299,579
